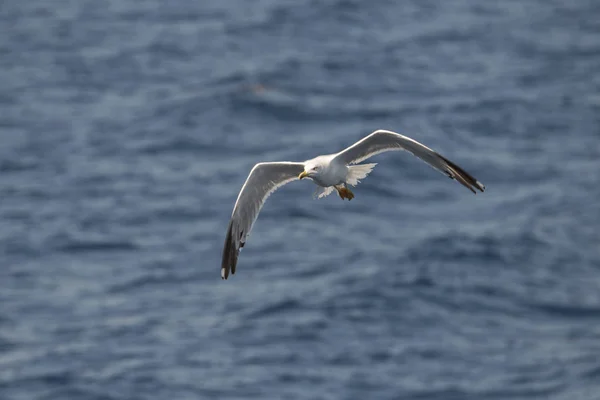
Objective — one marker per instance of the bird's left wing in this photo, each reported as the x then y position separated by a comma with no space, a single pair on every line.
382,140
263,180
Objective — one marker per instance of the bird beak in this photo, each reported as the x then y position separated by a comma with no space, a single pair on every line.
304,174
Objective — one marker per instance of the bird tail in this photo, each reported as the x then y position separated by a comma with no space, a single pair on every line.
322,192
358,172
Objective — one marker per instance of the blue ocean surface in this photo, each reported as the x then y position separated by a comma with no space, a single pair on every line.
127,128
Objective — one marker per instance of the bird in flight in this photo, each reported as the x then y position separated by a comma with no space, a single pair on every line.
329,172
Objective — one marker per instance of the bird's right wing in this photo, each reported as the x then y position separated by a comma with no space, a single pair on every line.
263,180
382,140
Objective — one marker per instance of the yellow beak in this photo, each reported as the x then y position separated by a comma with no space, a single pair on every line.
304,174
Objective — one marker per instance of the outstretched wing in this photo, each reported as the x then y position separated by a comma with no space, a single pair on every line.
382,140
263,180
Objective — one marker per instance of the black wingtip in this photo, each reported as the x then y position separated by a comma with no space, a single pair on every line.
230,253
463,177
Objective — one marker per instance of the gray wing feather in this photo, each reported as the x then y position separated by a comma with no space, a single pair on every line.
262,181
382,140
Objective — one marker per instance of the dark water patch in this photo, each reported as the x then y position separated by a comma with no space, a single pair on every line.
46,379
593,373
568,311
423,281
90,246
19,165
6,345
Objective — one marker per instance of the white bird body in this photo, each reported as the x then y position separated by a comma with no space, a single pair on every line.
329,172
326,170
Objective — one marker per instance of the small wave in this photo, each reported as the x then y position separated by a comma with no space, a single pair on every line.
140,282
279,307
270,358
288,106
177,145
460,247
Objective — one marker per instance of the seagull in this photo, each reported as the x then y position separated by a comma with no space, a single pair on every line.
329,172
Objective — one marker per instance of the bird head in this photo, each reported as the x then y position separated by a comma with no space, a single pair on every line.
311,170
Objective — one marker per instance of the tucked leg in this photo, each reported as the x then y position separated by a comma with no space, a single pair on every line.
344,192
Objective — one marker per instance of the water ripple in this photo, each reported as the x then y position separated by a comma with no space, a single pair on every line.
128,129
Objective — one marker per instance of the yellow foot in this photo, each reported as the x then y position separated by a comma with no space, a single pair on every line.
345,193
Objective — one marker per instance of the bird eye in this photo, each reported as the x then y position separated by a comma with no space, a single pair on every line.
316,168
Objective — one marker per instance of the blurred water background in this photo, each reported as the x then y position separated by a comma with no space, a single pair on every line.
128,127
